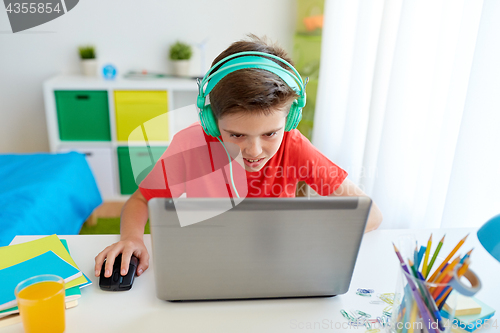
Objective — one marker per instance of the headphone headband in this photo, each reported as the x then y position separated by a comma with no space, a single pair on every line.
257,53
253,62
249,59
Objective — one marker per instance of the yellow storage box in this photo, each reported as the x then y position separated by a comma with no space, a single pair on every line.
136,108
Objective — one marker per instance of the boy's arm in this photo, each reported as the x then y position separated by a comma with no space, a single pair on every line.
134,217
349,189
133,220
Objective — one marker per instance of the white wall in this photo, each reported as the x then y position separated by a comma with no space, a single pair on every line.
129,34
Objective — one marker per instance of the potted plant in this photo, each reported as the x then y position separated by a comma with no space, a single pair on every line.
180,53
89,62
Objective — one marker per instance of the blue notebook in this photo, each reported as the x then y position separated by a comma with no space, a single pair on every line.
46,263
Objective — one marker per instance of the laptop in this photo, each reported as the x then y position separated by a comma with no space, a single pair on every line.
259,248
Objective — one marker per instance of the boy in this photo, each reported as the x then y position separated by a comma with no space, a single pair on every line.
251,107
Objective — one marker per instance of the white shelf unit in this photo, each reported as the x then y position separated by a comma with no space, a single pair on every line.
102,156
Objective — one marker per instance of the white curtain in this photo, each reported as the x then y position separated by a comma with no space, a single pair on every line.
409,104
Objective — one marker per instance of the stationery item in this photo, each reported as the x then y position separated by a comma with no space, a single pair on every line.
421,253
387,310
10,320
446,277
447,270
434,256
9,311
467,255
452,253
88,283
11,316
413,269
441,298
472,322
427,297
14,254
465,306
426,258
415,256
413,317
16,318
41,304
71,294
387,297
364,292
361,313
469,289
346,315
75,290
464,268
47,263
424,311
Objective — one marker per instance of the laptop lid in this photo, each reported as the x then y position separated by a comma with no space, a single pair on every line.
261,248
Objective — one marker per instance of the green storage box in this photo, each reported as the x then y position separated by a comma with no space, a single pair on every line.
83,115
134,164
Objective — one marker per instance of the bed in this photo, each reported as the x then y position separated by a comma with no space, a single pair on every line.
43,194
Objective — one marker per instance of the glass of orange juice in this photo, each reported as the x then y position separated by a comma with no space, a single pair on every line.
41,304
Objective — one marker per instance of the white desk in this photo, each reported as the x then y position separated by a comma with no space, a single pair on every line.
138,310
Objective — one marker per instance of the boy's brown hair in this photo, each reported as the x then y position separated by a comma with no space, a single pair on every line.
251,89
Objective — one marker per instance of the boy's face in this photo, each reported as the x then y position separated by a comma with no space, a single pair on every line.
257,135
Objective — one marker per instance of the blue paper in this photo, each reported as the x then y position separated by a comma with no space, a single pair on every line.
47,263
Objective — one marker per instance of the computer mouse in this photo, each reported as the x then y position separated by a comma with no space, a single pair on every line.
117,282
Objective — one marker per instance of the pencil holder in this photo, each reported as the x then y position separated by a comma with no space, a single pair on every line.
417,302
415,308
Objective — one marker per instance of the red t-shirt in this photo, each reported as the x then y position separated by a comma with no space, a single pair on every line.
198,165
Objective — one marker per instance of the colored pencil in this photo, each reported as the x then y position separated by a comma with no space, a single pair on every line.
452,253
441,299
421,253
444,274
400,317
444,294
422,287
461,261
448,269
426,257
413,269
413,317
437,291
434,256
467,255
428,299
415,257
424,311
461,271
400,259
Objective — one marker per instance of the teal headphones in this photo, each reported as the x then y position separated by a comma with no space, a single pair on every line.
249,59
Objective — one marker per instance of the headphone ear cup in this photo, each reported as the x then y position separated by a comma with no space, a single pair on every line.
209,121
294,117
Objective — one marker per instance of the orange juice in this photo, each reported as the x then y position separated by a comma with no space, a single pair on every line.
42,307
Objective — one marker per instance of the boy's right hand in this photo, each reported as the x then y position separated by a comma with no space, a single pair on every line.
127,248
